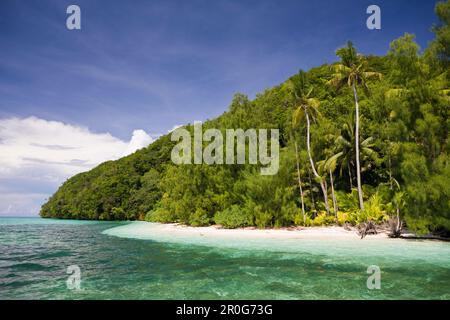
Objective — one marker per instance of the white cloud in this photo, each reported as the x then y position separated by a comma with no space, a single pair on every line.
37,155
139,140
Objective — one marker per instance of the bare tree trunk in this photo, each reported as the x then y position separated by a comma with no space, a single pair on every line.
311,191
300,183
335,207
358,167
390,164
322,182
350,176
324,188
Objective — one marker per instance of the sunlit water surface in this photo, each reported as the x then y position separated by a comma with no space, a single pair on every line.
35,254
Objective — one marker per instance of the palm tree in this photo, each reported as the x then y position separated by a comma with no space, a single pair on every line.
328,166
307,105
299,178
353,71
345,150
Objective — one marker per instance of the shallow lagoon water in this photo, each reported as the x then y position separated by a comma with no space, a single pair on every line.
35,254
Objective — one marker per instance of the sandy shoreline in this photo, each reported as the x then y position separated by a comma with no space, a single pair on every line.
282,233
329,241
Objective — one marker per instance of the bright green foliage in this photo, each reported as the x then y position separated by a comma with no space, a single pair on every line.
323,219
439,50
374,211
404,152
233,217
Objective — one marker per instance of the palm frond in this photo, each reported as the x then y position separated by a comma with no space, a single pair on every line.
313,103
395,93
297,117
367,142
342,142
340,69
369,75
331,162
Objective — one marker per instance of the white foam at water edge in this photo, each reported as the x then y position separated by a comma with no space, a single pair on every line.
324,241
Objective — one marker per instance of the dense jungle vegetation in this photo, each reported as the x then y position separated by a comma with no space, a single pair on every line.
379,148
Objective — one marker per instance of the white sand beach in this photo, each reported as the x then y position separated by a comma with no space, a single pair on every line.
330,240
173,231
282,233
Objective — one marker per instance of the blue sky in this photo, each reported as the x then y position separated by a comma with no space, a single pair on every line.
152,65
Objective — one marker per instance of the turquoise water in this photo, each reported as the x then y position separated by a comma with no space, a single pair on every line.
35,254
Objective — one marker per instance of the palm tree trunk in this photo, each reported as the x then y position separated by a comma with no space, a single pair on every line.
308,144
358,167
350,176
335,207
313,202
390,164
300,183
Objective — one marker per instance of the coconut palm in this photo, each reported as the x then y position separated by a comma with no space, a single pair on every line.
352,71
299,178
399,202
307,107
345,150
328,166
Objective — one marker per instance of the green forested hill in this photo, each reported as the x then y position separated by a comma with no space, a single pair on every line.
115,190
403,141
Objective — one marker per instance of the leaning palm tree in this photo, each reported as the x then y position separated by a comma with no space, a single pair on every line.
299,179
306,107
353,71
